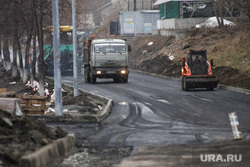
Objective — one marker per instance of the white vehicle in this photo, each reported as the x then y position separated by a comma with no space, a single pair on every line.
106,58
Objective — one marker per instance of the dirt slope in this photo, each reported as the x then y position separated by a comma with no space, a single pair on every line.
20,136
23,135
228,46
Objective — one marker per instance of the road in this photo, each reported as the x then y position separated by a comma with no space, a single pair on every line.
155,111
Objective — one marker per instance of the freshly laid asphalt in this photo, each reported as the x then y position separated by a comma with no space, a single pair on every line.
154,111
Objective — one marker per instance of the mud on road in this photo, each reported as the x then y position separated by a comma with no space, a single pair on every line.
229,153
88,152
98,156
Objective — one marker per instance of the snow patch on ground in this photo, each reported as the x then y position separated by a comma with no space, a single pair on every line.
150,43
212,22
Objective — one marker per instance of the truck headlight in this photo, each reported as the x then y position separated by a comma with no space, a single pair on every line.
123,71
98,72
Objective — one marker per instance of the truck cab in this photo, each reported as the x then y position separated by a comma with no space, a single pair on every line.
106,58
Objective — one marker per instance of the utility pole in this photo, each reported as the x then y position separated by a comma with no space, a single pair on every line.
74,49
57,59
134,5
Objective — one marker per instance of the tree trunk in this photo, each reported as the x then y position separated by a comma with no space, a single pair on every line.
33,75
20,55
221,5
35,28
14,65
6,53
15,36
1,51
216,8
27,51
229,7
41,56
243,6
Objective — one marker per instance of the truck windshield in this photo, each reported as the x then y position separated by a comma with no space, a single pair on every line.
110,48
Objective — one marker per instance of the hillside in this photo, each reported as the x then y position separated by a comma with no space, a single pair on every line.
228,46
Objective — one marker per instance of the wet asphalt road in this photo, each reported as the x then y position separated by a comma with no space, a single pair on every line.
155,111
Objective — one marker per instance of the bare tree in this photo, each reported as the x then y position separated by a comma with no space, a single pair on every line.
15,39
28,19
129,4
244,7
41,55
23,21
33,74
0,51
6,34
218,6
15,17
6,53
229,5
15,48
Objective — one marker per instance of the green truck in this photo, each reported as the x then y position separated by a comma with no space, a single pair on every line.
106,58
66,59
66,49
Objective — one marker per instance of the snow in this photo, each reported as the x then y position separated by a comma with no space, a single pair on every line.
212,22
13,83
150,43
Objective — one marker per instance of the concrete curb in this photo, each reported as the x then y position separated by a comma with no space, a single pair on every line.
104,113
48,154
234,89
222,87
80,118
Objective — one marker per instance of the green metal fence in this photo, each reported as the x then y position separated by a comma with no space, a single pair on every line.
169,10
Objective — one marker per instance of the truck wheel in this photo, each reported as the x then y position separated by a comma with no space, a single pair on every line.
125,80
87,79
115,79
185,87
86,76
182,82
93,79
119,80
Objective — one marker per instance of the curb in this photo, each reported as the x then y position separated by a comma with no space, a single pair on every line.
220,86
105,112
80,118
234,89
48,154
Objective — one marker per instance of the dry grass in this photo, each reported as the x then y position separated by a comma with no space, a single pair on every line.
228,46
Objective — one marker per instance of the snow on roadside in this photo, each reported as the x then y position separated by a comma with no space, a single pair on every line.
212,22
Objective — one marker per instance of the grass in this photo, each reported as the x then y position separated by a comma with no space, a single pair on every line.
238,58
